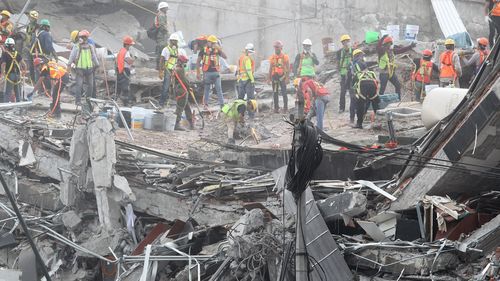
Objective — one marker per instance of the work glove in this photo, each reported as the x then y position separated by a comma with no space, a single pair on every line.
487,19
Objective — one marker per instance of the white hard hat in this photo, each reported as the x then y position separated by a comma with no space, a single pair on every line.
162,5
249,47
307,42
174,37
10,41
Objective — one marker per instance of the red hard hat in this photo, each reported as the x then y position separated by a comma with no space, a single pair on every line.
84,33
37,61
127,40
483,41
427,53
278,44
183,59
202,38
388,39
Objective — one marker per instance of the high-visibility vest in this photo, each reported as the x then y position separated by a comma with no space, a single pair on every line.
447,67
364,75
345,60
424,73
210,58
278,64
55,71
172,58
306,67
243,71
386,61
496,10
120,60
231,109
84,59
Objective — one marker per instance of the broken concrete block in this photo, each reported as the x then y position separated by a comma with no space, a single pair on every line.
99,243
44,196
102,151
121,183
250,222
342,206
71,219
76,175
108,209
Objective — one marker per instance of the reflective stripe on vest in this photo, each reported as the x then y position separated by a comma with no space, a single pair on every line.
447,67
55,71
345,60
243,71
306,66
424,73
278,64
85,58
388,62
210,58
231,110
37,48
172,58
364,75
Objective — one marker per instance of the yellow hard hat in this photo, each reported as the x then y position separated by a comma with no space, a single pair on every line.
5,13
254,105
74,35
296,82
345,37
34,14
212,38
357,52
449,41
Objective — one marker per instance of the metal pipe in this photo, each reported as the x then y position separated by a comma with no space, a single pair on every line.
25,228
189,265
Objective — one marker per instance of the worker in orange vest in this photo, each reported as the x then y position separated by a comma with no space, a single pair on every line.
279,75
424,70
479,56
492,17
6,26
450,70
209,62
59,78
124,64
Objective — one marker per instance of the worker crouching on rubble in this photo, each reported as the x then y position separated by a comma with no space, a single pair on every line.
182,92
59,78
234,113
12,67
319,97
451,70
365,85
124,64
424,68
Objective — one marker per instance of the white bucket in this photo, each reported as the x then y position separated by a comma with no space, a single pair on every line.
137,117
393,31
411,32
148,118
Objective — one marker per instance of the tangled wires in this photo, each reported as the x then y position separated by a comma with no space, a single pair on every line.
304,159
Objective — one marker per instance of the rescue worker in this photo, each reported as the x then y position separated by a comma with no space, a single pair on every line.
6,26
450,70
387,63
58,76
162,36
12,65
306,61
279,75
344,58
479,56
182,92
196,45
83,60
246,80
365,85
424,70
168,60
234,113
42,42
32,26
209,62
124,64
319,99
492,17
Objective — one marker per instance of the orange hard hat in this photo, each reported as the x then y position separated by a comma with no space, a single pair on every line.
84,33
427,53
202,38
127,40
388,39
182,59
483,41
37,61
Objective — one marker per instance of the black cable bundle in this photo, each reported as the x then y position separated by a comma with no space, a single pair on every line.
304,159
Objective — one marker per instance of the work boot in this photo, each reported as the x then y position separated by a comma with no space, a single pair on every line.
177,126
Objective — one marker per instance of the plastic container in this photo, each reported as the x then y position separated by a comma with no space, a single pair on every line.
411,32
439,103
137,117
148,116
393,31
371,37
158,122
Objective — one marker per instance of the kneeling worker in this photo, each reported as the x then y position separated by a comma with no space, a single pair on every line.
59,77
319,94
234,113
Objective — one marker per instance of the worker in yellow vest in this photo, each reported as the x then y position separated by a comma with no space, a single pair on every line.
387,63
246,79
305,62
83,59
168,61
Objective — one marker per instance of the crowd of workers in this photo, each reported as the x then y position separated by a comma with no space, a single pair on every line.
358,77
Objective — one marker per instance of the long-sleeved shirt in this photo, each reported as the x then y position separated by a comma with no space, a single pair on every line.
391,52
46,42
75,54
357,66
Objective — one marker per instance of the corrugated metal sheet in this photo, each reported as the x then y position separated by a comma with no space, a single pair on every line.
448,17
